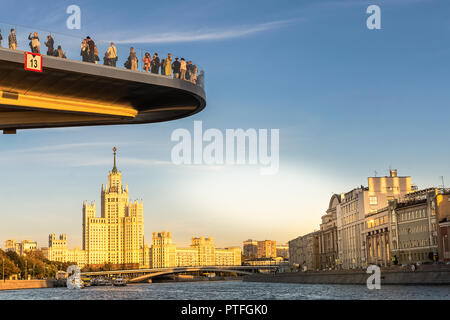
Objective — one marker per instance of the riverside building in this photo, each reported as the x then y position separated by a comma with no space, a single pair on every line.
22,247
267,249
250,249
377,237
328,238
351,213
163,250
117,236
304,251
415,225
205,250
200,253
283,251
443,214
444,240
230,256
57,251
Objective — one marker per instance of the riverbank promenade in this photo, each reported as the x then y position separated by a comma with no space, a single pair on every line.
25,284
426,275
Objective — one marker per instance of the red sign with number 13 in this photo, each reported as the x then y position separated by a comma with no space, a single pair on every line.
33,62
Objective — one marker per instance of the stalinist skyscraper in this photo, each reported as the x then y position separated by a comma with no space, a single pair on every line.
117,237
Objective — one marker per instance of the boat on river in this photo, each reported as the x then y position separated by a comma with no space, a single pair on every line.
101,282
119,282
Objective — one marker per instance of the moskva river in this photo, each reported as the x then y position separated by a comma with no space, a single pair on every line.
232,290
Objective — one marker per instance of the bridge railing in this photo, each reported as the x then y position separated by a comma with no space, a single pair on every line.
72,47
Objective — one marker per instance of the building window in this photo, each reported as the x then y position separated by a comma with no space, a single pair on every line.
373,201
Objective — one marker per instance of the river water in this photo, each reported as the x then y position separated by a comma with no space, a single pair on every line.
231,290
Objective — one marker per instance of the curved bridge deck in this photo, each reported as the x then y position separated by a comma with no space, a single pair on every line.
73,93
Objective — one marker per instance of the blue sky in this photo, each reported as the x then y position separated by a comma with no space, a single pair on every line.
348,101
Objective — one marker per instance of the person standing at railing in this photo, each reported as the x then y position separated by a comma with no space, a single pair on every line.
183,68
84,51
168,66
133,59
91,46
147,61
60,53
1,38
176,68
50,44
12,40
96,57
194,73
189,71
155,63
163,67
35,45
111,56
201,79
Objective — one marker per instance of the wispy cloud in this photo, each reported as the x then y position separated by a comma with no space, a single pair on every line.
124,161
66,146
206,34
77,155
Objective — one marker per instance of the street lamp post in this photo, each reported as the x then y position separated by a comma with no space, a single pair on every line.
3,269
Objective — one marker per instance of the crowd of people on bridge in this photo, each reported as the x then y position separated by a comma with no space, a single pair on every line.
177,68
35,44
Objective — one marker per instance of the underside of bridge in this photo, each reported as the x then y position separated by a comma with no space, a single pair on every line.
72,93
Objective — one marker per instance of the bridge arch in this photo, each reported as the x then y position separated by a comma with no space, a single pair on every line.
175,271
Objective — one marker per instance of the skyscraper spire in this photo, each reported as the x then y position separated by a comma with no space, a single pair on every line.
114,170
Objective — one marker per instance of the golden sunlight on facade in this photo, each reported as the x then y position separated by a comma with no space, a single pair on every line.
117,237
201,253
353,208
22,247
57,251
390,222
